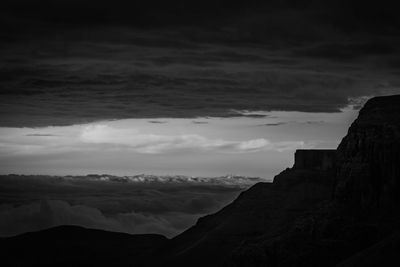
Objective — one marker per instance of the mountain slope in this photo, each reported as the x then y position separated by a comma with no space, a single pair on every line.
309,217
263,212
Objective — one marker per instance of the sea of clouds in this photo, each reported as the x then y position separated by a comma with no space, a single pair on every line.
137,204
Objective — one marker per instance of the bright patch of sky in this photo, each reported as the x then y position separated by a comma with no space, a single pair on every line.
255,144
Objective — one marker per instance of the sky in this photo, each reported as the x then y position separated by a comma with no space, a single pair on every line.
196,88
84,83
255,144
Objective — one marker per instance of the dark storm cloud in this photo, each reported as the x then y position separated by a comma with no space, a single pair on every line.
30,203
157,13
83,90
208,58
349,51
66,62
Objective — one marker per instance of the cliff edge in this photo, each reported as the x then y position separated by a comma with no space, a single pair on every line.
368,175
327,208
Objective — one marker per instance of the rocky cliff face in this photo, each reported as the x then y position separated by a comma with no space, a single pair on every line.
310,216
369,158
320,159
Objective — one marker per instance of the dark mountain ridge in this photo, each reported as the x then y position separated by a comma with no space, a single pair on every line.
70,245
317,213
331,208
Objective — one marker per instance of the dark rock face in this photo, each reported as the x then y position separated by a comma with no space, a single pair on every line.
319,159
383,253
330,206
369,158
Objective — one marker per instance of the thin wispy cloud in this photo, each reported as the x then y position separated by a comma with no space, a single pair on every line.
105,137
156,143
219,146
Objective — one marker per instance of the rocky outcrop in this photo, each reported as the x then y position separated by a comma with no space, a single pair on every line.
368,177
318,159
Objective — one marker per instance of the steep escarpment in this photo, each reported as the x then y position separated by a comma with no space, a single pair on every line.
364,210
369,158
310,215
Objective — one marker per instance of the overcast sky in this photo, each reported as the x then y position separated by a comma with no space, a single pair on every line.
122,87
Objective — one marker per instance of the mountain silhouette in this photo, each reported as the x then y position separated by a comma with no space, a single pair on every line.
77,246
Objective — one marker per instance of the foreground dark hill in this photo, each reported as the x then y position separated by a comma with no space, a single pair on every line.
78,246
332,208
